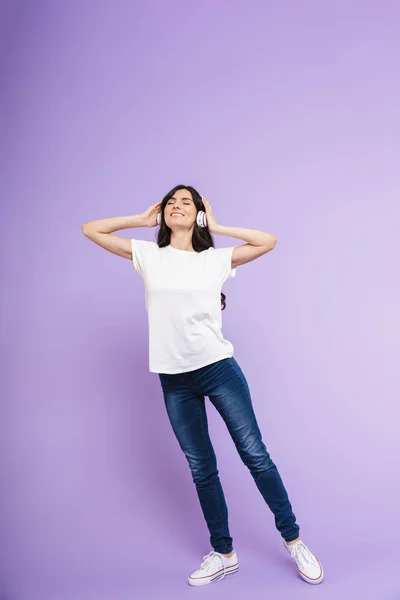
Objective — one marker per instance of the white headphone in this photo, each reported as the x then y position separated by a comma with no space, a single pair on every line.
201,218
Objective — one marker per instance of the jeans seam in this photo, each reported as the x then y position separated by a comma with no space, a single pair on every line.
209,455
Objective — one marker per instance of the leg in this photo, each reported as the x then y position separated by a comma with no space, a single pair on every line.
187,415
230,395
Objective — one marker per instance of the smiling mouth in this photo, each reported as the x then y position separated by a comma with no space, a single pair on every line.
177,215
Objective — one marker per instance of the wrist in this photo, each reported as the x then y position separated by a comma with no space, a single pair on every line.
218,229
140,221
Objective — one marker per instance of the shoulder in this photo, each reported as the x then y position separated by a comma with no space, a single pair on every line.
143,254
222,258
221,254
145,244
144,247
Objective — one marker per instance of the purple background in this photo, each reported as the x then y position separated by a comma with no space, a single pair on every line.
285,115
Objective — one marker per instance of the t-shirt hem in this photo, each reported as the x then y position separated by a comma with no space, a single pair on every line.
192,368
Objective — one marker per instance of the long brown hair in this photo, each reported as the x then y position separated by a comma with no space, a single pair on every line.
201,238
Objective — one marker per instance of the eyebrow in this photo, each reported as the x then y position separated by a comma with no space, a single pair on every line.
173,198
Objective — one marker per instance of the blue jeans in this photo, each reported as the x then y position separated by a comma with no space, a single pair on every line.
225,385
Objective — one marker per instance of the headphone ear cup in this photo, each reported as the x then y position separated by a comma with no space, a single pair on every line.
159,218
201,219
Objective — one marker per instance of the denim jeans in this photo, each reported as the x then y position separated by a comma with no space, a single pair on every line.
225,385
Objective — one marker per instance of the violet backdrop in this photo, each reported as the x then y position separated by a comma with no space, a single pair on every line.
285,115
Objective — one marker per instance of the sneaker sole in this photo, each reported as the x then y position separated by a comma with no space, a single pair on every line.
216,577
320,578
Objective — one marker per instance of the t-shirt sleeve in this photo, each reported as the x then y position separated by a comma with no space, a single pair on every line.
142,251
224,261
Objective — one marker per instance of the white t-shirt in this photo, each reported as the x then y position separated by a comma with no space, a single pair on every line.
183,303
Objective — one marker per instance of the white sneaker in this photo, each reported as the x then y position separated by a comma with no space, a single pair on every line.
307,563
214,567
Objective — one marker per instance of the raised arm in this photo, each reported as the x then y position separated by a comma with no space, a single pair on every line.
258,242
100,231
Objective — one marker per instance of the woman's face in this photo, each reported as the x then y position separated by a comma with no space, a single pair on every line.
180,210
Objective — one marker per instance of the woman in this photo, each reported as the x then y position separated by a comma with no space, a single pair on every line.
183,275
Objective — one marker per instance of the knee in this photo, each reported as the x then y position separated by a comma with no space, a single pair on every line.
203,470
263,463
256,457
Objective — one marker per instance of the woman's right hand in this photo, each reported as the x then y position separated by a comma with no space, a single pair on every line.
149,217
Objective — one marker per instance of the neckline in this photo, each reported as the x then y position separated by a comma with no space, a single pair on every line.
179,250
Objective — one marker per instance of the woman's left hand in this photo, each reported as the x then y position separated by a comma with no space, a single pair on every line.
211,220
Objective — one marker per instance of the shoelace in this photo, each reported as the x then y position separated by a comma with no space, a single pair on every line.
208,560
302,554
